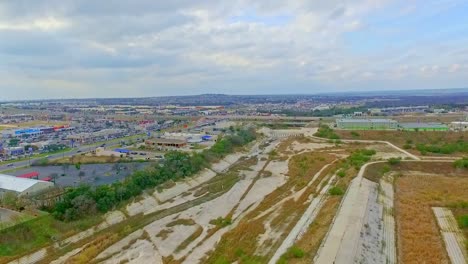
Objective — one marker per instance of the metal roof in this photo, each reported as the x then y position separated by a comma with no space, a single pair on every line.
12,183
422,125
376,120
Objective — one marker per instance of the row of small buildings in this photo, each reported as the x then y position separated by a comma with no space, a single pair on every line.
34,131
390,124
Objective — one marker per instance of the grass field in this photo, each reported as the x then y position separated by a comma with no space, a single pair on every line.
406,139
418,236
418,187
38,232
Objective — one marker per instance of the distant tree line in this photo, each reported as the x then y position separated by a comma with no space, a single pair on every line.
86,200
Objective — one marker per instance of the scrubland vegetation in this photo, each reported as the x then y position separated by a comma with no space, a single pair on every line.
325,131
419,238
461,163
421,142
240,243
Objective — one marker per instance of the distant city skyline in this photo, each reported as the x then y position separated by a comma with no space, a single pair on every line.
146,48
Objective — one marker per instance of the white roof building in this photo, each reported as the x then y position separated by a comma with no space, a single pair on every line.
22,186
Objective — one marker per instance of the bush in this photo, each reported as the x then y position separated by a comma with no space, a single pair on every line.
325,131
360,157
295,252
463,221
336,191
385,169
461,163
355,134
341,173
394,161
448,148
221,222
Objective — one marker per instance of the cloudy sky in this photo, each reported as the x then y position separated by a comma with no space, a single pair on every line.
121,48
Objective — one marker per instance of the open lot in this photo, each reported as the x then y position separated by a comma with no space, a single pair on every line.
419,239
407,139
418,187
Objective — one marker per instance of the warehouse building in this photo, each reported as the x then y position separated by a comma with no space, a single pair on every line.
23,186
367,124
423,127
459,126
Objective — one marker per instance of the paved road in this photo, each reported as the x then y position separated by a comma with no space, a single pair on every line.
75,151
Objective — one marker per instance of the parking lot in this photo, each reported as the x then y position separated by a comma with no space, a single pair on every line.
93,174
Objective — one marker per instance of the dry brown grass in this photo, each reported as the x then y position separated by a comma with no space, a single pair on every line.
400,138
311,240
418,238
189,239
91,250
244,237
284,145
163,234
84,159
181,221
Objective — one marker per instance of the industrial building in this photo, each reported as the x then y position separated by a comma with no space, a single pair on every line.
22,185
423,127
367,124
459,126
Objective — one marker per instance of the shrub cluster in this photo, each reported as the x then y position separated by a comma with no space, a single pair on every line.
446,148
461,163
325,131
360,157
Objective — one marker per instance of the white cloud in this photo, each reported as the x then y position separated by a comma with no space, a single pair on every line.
43,24
160,47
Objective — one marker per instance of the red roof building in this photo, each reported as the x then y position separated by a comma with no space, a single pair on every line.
47,179
30,175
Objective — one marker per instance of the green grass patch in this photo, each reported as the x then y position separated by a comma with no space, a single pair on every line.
463,221
38,232
336,191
